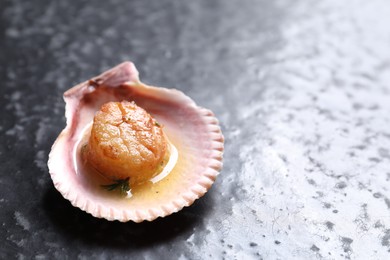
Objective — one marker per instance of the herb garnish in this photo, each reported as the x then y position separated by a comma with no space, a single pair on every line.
121,185
157,124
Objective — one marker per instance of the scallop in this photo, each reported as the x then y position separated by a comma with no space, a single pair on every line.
133,152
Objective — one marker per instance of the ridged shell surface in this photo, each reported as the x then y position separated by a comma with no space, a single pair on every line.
193,130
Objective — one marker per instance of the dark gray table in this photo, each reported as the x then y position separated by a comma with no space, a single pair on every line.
302,91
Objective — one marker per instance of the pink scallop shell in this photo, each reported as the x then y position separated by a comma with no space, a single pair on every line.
195,129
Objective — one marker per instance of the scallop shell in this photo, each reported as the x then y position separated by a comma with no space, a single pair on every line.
193,130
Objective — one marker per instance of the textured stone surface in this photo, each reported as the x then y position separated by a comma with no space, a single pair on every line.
302,92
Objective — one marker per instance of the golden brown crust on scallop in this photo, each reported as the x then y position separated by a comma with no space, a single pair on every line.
125,142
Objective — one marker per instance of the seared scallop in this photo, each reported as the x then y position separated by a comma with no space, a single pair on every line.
126,142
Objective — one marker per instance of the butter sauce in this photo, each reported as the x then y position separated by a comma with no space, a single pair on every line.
159,186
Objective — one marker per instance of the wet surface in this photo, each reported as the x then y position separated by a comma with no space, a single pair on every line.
302,93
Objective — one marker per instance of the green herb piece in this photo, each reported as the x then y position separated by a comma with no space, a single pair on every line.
157,124
121,185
